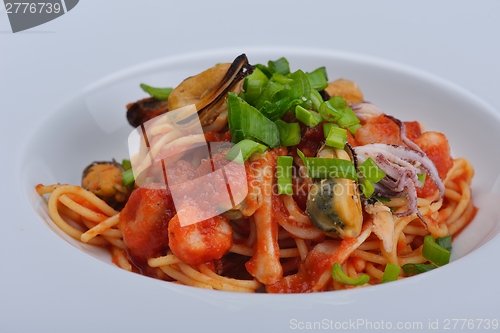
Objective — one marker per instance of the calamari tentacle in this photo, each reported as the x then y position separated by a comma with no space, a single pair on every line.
404,138
401,165
265,264
366,110
405,157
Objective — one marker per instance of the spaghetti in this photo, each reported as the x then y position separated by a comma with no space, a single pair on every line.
270,242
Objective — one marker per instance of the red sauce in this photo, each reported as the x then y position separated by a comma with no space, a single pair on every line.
318,262
85,203
310,140
300,193
217,137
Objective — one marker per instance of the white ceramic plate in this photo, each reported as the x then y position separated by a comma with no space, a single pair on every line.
92,126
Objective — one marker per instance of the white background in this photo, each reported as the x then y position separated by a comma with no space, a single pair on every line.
42,67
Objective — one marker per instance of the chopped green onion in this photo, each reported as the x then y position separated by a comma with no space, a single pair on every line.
421,177
264,69
307,117
367,187
391,273
370,170
337,138
444,242
300,85
435,253
307,104
257,75
243,96
278,77
318,79
337,110
337,102
348,118
246,122
242,151
284,174
253,90
267,95
328,112
339,276
253,85
128,177
354,128
282,93
289,133
328,167
158,93
281,66
126,164
412,269
315,99
327,127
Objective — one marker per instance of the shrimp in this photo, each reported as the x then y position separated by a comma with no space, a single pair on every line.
346,89
435,145
146,215
208,238
200,242
379,129
144,220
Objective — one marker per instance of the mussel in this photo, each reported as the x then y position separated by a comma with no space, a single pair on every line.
145,109
334,204
104,179
208,89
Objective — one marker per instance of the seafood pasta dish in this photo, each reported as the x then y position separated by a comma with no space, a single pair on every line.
264,178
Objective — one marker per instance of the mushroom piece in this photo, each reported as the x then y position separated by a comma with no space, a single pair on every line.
104,179
334,204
